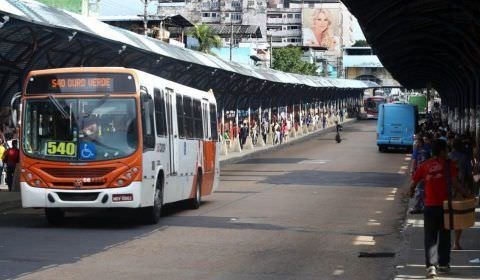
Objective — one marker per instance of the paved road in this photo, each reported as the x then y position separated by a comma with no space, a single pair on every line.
306,211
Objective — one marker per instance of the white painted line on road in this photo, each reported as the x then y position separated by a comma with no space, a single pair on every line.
394,191
373,222
451,266
315,161
364,240
408,158
415,222
378,212
404,167
401,172
338,272
390,197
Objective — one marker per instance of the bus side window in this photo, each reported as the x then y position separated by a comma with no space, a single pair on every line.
160,116
180,117
213,122
189,121
197,115
147,121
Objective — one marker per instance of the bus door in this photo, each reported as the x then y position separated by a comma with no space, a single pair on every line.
172,131
208,146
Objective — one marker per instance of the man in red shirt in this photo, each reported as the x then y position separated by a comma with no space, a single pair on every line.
11,158
436,238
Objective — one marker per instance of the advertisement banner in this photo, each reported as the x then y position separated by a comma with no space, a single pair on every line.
322,28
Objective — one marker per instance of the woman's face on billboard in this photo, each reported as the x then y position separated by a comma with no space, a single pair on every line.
321,21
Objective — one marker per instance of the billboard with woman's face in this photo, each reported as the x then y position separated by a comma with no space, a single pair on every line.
321,28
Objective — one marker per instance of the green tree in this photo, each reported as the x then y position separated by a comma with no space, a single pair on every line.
206,38
361,43
289,60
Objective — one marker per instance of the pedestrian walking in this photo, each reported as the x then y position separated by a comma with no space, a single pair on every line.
2,151
437,173
10,159
421,153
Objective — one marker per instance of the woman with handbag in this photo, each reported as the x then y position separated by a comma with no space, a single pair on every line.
437,173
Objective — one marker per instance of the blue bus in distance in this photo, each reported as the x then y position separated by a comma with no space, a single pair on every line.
396,126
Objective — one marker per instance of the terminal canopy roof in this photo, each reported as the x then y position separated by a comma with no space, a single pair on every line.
426,43
35,36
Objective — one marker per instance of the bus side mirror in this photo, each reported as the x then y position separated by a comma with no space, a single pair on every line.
16,108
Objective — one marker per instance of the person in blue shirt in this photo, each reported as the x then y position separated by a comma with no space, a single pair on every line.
421,152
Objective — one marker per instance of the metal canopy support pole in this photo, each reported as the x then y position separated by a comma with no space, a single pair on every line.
269,133
224,148
260,141
236,142
248,142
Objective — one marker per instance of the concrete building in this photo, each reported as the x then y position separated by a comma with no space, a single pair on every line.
360,63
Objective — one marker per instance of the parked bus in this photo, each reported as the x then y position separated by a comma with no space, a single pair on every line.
371,104
115,137
420,101
396,126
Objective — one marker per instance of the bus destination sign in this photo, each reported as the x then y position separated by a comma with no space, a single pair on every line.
81,83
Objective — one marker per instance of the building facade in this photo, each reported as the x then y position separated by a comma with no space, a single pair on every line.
360,63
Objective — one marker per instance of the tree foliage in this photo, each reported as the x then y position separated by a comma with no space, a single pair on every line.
289,60
206,38
361,43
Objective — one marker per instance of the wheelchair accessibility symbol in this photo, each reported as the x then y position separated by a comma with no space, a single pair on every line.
88,151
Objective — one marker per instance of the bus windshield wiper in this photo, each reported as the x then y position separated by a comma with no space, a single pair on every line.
59,107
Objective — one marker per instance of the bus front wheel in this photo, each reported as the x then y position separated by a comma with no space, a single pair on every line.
55,216
153,213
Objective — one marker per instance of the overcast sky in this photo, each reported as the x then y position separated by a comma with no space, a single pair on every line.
125,7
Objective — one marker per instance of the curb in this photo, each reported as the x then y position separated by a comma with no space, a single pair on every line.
301,139
10,205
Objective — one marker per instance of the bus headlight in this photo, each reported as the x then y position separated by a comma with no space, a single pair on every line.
127,177
32,179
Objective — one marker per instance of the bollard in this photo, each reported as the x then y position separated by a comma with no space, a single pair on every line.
224,149
300,131
235,146
293,133
248,143
260,142
269,139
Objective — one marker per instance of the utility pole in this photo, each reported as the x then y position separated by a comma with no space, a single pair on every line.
145,17
271,50
231,38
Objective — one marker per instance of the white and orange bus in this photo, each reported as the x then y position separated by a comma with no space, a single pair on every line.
115,137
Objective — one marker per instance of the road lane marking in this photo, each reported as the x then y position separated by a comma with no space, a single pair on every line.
364,240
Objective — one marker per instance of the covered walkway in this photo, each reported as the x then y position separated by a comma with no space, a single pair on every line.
35,36
429,44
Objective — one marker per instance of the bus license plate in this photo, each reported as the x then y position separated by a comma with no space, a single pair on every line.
122,197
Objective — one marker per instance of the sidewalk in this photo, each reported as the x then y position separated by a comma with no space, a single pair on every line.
12,200
410,260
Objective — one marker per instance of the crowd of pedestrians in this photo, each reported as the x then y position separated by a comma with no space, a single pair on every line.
281,125
441,159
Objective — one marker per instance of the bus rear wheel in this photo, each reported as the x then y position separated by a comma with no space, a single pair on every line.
55,216
197,200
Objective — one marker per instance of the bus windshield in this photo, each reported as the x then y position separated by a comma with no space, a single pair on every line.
371,104
80,129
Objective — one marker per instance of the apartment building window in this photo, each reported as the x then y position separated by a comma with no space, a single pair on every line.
298,16
274,15
236,16
274,28
250,4
236,4
215,5
205,14
214,15
293,27
289,15
206,5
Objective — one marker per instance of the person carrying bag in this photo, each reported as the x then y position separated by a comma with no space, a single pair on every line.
436,172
